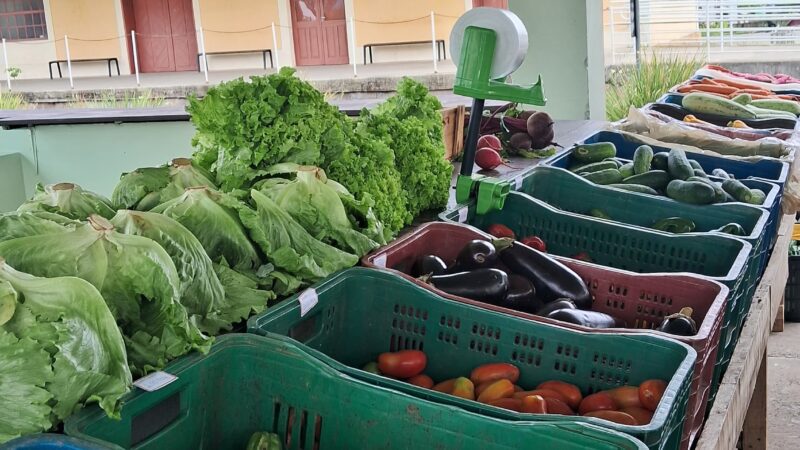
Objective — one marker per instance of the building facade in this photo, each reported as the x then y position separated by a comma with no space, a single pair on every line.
169,34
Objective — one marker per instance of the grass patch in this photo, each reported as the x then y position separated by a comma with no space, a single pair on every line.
638,86
10,100
128,99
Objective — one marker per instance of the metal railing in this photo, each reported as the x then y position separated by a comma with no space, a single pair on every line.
714,27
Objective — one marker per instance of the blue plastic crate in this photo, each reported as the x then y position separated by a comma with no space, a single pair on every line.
48,441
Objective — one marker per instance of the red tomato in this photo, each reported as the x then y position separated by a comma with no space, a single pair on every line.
572,392
650,393
614,416
422,381
600,401
535,242
513,404
642,416
556,406
545,393
498,389
626,396
493,372
500,231
402,364
445,386
534,404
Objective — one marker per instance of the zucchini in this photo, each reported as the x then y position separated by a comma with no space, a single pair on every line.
635,188
719,194
642,159
701,102
758,197
606,176
660,161
678,164
598,166
656,179
732,228
589,153
599,213
720,173
764,113
694,192
695,165
626,170
738,191
674,225
743,99
700,173
778,105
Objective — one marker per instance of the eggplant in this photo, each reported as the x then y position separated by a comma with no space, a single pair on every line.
551,279
591,319
521,295
484,285
562,303
428,265
477,254
680,323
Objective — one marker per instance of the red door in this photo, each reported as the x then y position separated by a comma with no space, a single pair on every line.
320,32
165,35
490,3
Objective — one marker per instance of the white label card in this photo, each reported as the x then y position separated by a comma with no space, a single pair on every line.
308,299
462,214
380,260
517,183
154,381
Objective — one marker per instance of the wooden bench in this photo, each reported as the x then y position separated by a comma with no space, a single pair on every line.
264,52
58,63
441,51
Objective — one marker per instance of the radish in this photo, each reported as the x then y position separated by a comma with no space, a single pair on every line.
490,141
486,158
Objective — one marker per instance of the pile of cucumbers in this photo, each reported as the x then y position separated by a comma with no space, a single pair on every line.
664,173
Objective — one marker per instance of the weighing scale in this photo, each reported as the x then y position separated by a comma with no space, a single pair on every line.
488,44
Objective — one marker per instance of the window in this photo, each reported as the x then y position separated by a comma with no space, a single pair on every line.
22,19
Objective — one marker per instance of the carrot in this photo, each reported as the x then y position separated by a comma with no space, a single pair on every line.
756,91
707,88
738,84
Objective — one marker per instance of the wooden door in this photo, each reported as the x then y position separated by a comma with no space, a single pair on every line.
320,32
490,3
165,35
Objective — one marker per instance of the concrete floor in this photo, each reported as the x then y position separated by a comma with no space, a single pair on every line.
783,381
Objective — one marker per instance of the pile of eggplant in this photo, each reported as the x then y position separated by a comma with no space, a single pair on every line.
509,274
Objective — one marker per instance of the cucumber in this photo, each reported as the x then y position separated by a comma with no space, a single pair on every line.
656,179
642,158
589,153
635,188
738,191
719,194
720,173
778,105
743,99
732,228
616,162
606,176
678,164
599,213
694,192
626,170
758,197
700,173
695,164
674,225
596,167
660,161
701,102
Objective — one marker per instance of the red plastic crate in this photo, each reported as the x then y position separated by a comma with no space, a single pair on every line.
641,300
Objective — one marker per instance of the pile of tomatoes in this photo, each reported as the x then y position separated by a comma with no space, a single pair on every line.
496,385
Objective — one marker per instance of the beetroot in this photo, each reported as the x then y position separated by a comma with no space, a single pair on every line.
490,141
540,129
488,159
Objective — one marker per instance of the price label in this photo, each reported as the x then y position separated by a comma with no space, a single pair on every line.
517,183
308,299
154,381
462,214
380,260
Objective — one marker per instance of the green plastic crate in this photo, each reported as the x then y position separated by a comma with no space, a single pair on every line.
360,313
719,257
250,383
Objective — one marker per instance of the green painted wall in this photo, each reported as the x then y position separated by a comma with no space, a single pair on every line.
566,48
12,184
93,156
